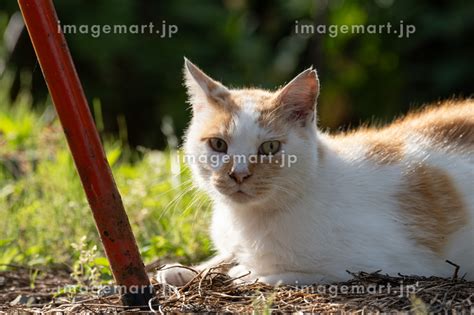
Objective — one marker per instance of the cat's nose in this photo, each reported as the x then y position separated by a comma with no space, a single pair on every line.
239,176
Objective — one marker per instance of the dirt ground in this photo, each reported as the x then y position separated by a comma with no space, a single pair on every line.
28,290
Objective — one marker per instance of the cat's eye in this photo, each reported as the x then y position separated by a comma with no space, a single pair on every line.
218,145
269,147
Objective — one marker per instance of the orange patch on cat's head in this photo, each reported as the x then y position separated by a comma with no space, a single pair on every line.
222,118
433,207
219,124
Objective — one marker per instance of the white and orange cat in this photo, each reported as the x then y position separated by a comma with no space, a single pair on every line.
398,199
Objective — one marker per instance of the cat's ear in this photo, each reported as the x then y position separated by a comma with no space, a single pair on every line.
298,98
203,90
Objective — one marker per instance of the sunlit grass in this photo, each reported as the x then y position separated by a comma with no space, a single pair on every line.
43,210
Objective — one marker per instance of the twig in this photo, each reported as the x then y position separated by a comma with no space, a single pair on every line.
456,270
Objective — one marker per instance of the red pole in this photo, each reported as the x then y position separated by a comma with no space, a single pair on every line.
84,142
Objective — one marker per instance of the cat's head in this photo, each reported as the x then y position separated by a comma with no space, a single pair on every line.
249,146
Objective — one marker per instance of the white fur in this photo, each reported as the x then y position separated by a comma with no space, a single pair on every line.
347,219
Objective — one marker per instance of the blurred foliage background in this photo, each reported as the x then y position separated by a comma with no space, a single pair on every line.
138,77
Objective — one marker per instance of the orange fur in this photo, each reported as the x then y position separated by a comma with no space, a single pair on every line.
433,205
385,153
219,124
448,126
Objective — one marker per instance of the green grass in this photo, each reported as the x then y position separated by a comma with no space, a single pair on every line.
43,210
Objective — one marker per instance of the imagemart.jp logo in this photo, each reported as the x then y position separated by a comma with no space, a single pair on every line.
163,30
401,30
216,160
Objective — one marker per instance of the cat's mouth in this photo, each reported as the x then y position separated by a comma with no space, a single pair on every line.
240,196
237,193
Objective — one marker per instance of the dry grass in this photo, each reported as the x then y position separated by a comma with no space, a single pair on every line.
215,292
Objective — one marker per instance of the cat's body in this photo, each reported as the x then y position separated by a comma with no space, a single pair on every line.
362,205
398,199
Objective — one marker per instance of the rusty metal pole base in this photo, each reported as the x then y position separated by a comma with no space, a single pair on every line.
140,299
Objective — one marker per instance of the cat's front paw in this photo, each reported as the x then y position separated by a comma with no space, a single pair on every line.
175,275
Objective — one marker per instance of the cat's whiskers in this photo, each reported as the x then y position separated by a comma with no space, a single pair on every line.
175,200
177,187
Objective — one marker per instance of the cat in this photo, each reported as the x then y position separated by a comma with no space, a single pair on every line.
399,199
